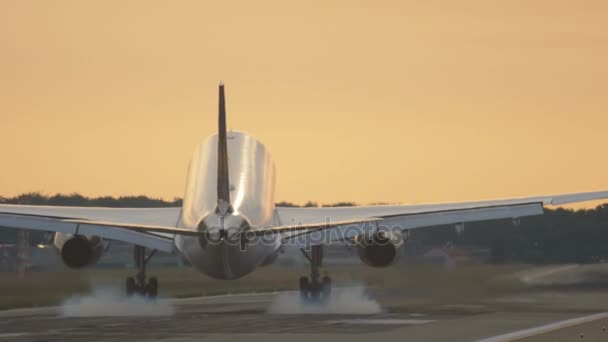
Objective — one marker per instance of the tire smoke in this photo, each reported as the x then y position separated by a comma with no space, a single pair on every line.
109,302
344,300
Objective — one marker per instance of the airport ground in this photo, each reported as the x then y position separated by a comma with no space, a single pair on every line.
416,303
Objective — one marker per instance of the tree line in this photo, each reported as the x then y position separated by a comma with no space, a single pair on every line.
77,200
139,201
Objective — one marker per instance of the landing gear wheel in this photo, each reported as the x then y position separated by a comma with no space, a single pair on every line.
313,288
326,288
315,292
152,288
304,285
131,287
138,284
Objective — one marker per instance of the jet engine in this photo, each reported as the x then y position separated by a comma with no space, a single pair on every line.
379,249
78,251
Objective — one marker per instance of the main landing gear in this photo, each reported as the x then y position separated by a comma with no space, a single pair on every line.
137,285
314,288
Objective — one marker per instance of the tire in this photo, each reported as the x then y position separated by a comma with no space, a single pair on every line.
315,293
130,286
152,288
304,287
326,288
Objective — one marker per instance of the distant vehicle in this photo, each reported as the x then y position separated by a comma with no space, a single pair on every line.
228,224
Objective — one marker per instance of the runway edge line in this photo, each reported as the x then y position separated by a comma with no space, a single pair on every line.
544,328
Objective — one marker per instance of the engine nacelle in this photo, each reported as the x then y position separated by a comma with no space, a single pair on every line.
78,251
380,249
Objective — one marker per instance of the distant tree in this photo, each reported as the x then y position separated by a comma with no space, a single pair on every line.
286,204
340,204
67,200
36,198
311,204
30,198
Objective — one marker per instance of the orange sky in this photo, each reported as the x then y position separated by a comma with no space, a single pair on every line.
366,101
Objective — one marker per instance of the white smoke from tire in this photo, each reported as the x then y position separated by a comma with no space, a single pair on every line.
109,302
343,300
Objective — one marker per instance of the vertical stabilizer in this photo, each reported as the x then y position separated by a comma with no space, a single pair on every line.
223,183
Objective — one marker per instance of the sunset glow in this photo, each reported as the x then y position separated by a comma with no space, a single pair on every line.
364,101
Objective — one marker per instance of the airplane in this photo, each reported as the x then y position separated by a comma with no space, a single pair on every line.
229,225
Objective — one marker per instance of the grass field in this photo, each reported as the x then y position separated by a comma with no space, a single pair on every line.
474,281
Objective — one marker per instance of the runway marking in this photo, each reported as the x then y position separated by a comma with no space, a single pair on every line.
464,306
383,321
227,295
417,315
11,335
544,328
42,310
531,278
54,310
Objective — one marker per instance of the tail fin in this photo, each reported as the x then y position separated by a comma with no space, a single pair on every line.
224,206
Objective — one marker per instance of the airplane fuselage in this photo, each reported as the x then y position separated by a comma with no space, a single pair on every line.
221,254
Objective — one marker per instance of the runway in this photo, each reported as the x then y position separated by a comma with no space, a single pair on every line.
247,318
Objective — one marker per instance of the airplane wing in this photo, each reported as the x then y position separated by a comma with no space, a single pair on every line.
342,223
153,228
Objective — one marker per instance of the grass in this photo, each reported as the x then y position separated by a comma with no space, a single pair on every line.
474,281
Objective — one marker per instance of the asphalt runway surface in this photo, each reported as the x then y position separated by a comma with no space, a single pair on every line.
532,317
